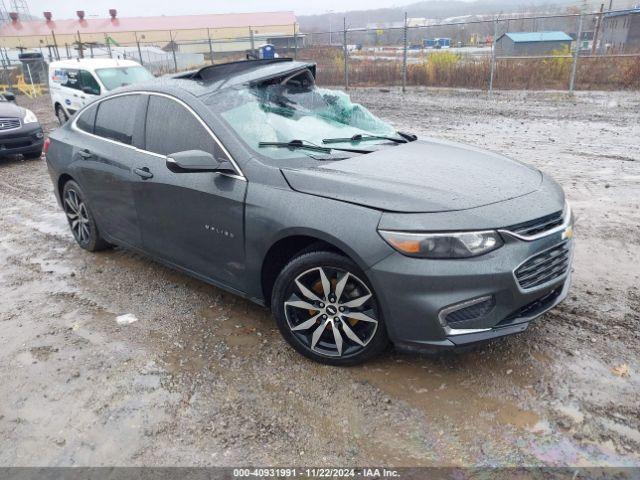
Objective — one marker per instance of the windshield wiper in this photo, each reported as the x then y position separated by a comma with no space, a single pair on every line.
409,137
358,137
295,144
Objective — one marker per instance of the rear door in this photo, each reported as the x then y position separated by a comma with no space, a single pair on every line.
105,162
194,220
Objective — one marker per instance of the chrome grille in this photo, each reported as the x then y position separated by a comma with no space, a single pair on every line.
9,123
539,225
544,267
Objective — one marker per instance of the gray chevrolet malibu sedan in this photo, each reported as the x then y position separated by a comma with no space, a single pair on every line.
250,177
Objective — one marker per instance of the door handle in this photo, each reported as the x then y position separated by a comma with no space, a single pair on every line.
85,154
143,173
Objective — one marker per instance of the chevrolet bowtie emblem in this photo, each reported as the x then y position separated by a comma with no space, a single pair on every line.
568,232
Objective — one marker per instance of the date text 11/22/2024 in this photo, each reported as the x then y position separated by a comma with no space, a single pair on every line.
315,472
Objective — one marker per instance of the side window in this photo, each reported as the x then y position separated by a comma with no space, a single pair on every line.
172,128
116,118
87,119
70,78
88,81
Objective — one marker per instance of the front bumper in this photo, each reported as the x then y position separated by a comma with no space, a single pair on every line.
26,139
417,294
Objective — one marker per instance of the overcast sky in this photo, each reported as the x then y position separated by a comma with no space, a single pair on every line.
130,8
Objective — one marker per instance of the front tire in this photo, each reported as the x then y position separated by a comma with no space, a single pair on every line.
326,309
81,221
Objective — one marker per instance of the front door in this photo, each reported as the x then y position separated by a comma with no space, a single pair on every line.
70,90
194,220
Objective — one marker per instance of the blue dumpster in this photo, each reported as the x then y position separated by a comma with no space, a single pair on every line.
267,51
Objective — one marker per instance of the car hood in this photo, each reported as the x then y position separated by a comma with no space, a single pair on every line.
10,109
422,176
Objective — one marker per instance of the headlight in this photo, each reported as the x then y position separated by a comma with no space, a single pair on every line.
443,245
29,117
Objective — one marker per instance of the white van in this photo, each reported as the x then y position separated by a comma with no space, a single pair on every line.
76,82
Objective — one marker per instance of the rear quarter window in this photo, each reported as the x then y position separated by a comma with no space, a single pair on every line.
116,118
87,119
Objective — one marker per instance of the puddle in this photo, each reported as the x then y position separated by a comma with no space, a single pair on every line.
235,326
438,393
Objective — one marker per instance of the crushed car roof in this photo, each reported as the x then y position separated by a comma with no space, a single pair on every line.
227,75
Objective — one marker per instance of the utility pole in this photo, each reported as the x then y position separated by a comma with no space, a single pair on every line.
295,42
404,54
80,46
597,32
173,51
210,46
346,54
106,41
139,51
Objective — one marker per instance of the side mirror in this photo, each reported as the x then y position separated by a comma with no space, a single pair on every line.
9,96
90,91
196,161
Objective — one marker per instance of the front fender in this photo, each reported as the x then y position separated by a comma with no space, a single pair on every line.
273,214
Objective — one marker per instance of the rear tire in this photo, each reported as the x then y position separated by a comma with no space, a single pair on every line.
81,220
326,309
33,155
61,115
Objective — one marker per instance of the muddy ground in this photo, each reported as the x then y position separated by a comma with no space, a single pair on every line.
203,377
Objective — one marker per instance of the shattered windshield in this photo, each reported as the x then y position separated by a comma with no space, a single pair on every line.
294,110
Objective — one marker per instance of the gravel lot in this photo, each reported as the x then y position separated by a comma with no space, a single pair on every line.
203,377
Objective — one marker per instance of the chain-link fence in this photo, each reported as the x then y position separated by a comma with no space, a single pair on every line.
564,51
567,51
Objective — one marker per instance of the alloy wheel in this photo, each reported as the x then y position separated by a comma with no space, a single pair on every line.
331,311
78,216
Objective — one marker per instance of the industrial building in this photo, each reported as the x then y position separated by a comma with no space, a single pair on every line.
621,32
531,43
187,33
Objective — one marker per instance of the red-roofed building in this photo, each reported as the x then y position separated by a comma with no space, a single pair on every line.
161,30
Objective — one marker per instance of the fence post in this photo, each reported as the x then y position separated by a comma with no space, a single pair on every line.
55,45
251,39
493,57
138,44
346,54
295,42
210,46
33,88
574,66
404,54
